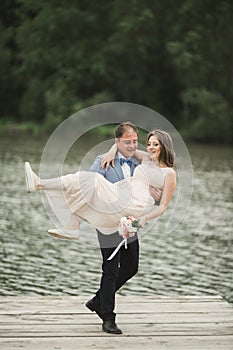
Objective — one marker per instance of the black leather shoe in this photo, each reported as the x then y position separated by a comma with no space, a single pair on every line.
91,305
111,327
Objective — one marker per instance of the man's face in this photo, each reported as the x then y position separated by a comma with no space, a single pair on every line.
128,143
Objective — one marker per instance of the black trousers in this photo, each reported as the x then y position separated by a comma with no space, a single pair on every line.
115,272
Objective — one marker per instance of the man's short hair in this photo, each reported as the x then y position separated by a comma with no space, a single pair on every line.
123,127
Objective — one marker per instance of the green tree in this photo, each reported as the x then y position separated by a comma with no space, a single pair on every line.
10,82
61,57
201,50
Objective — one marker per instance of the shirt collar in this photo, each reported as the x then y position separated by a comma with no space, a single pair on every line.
121,156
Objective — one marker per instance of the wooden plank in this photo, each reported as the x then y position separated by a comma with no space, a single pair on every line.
136,319
120,309
204,317
120,342
61,305
153,329
130,299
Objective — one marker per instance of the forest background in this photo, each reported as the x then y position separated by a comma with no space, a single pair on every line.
60,56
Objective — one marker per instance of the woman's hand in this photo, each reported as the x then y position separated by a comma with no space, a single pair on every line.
143,221
155,193
107,160
108,157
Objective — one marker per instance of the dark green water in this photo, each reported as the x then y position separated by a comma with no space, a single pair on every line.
194,259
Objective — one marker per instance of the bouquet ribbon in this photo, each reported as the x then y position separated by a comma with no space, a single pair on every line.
124,241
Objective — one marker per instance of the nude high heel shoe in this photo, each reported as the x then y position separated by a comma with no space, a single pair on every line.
64,234
30,182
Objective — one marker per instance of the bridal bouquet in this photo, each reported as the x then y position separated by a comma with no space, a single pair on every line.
128,225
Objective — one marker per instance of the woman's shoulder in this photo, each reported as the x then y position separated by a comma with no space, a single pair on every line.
169,170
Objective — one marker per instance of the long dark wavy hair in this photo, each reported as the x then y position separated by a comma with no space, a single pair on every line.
167,155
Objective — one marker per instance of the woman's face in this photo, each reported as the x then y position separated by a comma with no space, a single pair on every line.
153,147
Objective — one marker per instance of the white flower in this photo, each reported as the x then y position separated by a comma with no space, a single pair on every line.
128,226
123,220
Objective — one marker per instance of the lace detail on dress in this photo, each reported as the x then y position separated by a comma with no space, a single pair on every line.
149,173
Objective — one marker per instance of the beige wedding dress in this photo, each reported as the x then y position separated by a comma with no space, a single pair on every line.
88,196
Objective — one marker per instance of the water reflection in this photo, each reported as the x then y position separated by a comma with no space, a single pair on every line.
194,259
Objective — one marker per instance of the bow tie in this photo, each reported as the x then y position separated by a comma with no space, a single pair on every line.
128,161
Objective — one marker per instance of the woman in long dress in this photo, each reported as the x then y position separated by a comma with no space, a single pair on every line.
90,197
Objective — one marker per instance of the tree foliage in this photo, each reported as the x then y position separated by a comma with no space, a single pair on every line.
173,56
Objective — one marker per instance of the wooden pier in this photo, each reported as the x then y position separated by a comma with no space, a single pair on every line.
147,322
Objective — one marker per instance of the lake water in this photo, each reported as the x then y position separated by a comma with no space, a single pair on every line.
195,259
